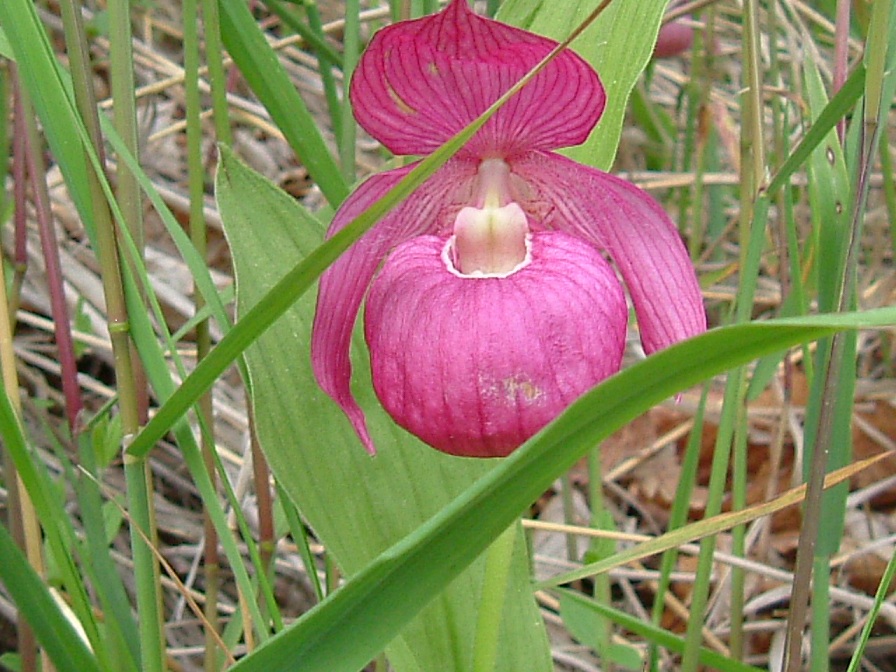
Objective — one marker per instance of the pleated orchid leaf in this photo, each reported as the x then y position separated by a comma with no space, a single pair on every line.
490,305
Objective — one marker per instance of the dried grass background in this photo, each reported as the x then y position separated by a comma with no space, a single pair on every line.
640,464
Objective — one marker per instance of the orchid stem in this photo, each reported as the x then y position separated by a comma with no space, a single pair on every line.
494,592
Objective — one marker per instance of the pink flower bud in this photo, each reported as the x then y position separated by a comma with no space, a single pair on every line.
674,39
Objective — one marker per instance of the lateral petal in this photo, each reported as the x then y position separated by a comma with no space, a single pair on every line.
430,209
631,227
420,82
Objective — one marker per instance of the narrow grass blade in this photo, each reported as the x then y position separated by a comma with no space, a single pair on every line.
376,603
31,595
259,65
649,631
51,627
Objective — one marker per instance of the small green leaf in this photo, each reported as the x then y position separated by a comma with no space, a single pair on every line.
113,516
713,660
11,662
585,623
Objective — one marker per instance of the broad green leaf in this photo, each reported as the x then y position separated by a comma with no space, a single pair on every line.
619,45
584,623
358,505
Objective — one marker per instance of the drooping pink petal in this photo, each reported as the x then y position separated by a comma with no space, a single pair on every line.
474,366
430,209
420,82
632,227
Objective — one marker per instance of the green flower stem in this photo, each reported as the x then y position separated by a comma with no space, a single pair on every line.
198,236
214,58
488,626
127,190
145,566
146,572
350,54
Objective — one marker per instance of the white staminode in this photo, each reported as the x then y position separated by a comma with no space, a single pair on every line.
488,242
491,240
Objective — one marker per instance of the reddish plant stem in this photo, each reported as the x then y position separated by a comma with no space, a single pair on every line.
262,478
19,173
62,326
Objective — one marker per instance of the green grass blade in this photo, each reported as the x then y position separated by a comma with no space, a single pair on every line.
376,603
838,107
649,631
259,65
28,590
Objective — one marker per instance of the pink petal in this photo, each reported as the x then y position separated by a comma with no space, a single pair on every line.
474,366
422,81
430,209
632,227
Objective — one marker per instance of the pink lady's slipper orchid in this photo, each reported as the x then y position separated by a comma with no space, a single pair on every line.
494,307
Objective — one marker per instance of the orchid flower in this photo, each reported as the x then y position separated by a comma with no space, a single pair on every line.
490,306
